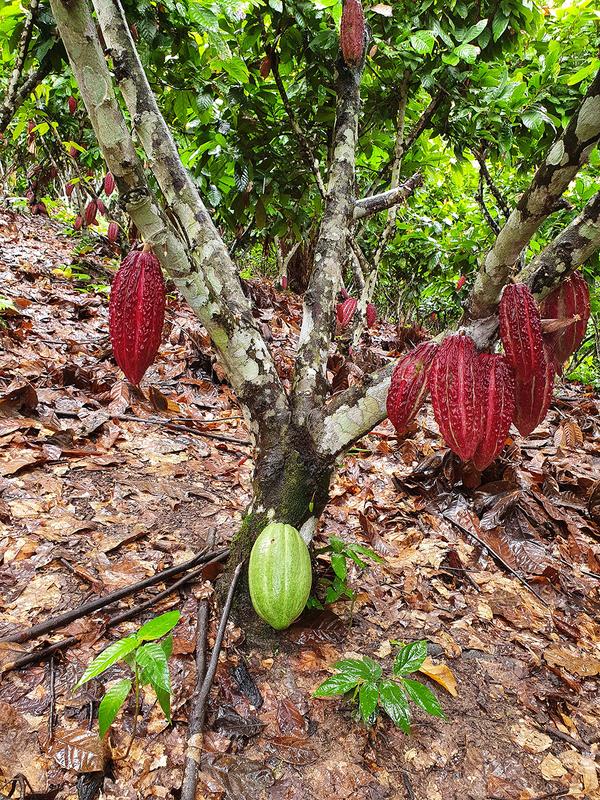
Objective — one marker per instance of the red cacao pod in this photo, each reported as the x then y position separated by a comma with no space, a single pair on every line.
570,300
113,232
352,33
521,330
90,213
265,67
73,152
284,282
345,311
408,387
72,105
497,387
453,381
136,313
69,189
532,398
371,315
109,184
101,207
461,282
78,222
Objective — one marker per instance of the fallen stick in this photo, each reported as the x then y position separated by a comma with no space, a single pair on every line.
39,655
198,711
101,602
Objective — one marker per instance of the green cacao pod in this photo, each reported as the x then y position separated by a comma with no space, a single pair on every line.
279,575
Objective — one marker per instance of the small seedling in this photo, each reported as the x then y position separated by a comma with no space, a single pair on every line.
147,659
340,553
363,681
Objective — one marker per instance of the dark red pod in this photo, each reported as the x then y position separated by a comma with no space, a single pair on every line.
371,315
78,222
570,300
136,313
90,213
408,387
533,398
109,184
352,33
453,381
101,207
521,330
72,103
497,388
265,67
345,311
113,232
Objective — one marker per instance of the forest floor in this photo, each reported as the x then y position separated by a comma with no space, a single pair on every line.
102,485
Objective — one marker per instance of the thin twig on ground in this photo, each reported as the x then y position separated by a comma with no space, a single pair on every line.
101,602
198,711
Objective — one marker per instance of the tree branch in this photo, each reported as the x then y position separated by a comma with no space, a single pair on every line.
318,319
380,202
11,90
485,173
484,209
353,413
562,162
188,245
309,157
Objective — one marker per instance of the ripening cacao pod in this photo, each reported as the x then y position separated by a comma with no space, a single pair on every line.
453,381
461,282
279,575
90,213
78,222
73,152
113,232
352,33
532,397
497,387
265,67
72,105
570,300
345,311
101,207
408,387
284,282
371,315
69,189
136,313
109,184
521,330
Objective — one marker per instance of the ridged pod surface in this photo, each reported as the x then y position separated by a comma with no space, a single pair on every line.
109,184
90,213
69,189
453,381
113,232
521,330
137,313
279,575
345,311
408,387
497,387
352,33
532,398
72,103
570,299
371,315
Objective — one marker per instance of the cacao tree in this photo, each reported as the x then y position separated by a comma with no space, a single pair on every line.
300,431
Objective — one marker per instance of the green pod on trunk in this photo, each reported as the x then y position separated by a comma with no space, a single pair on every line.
279,575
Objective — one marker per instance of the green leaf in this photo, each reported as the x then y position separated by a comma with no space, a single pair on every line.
467,52
110,704
338,562
367,700
152,661
474,31
107,658
583,73
367,552
167,646
159,626
337,684
364,668
499,25
410,657
423,697
395,704
422,42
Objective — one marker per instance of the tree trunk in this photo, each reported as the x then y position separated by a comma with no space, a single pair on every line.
290,485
